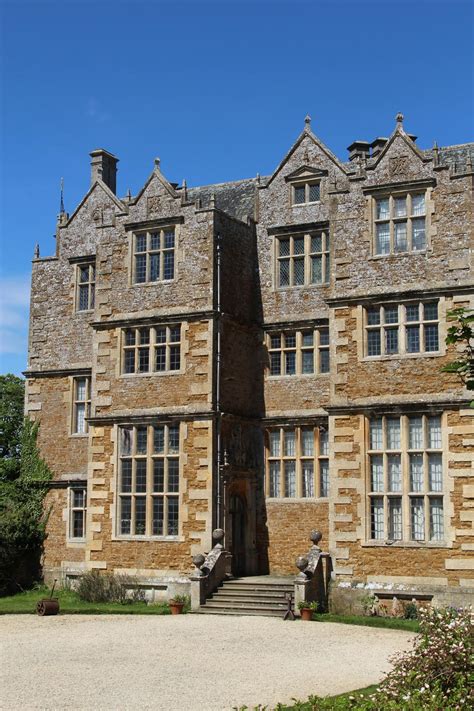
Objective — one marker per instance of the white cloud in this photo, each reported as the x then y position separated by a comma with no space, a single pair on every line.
14,306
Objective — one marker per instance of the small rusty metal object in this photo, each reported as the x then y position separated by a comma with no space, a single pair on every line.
289,614
48,605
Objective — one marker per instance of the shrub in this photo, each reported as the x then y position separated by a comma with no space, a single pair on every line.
94,587
411,611
435,674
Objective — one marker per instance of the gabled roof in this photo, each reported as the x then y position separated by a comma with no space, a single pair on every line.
122,207
156,173
307,132
399,132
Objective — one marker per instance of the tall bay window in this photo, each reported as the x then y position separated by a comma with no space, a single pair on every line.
148,480
406,478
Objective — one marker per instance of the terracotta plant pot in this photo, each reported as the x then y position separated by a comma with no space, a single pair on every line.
306,614
176,607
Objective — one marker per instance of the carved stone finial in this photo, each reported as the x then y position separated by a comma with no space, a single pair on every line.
218,536
184,184
315,537
258,177
198,560
307,121
37,251
157,163
399,118
213,200
301,563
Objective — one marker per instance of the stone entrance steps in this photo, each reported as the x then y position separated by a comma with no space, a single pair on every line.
259,595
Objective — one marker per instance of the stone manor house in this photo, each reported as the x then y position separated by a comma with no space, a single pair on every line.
262,356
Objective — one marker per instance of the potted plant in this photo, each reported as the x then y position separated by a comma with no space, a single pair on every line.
177,603
307,609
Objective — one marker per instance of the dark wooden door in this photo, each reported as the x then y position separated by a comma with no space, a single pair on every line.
237,512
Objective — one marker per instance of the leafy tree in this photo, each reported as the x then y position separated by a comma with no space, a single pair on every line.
461,334
23,485
12,394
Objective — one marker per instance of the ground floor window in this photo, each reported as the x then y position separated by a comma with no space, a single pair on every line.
77,512
148,480
297,462
406,478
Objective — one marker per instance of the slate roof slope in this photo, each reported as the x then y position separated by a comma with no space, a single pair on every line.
236,198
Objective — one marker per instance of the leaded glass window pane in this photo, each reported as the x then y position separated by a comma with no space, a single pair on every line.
413,339
418,204
314,192
377,518
307,362
274,438
417,519
393,433
431,338
284,272
307,442
376,472
436,519
376,436
395,519
373,343
434,432
308,478
416,472
274,479
289,440
299,194
290,478
316,270
400,207
418,233
415,428
383,238
401,240
324,477
435,472
383,210
394,472
323,442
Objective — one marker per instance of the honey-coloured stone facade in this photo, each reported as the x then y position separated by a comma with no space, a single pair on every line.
227,294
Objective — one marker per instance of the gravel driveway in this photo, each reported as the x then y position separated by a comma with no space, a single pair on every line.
186,663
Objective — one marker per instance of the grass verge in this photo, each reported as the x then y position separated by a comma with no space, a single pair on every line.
24,603
393,623
320,703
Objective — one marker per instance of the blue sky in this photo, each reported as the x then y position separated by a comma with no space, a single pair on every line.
218,90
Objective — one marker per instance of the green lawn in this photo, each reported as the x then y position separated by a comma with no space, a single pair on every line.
69,603
393,623
341,702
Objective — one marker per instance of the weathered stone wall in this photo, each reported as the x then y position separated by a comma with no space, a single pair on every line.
49,402
191,387
289,524
60,554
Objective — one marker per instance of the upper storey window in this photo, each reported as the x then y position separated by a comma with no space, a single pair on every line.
151,350
400,223
305,193
302,259
154,255
394,329
299,352
85,286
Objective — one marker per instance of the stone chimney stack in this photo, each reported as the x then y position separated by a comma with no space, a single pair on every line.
104,167
358,149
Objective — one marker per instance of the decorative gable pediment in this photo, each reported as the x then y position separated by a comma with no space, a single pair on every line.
101,205
157,194
306,172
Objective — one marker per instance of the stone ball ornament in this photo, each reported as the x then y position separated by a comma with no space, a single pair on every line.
301,562
198,560
315,537
218,535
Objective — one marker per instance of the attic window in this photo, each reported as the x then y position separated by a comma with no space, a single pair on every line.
305,193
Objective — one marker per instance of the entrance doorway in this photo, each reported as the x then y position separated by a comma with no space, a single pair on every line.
237,512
